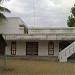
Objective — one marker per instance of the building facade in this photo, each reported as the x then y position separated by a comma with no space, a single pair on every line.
25,41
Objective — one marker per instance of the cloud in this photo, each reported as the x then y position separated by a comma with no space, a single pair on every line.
17,6
46,12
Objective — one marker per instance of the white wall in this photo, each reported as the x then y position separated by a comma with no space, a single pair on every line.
56,48
11,26
43,48
20,48
8,51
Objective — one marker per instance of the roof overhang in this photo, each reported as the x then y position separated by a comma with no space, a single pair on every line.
39,37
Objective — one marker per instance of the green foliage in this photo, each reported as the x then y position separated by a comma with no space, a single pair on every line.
73,10
71,18
2,10
2,0
71,21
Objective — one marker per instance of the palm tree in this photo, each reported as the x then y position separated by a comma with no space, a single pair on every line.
2,10
2,17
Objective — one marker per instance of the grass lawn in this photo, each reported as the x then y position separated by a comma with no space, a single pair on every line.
31,67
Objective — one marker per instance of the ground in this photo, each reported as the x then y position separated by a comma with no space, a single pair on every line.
38,67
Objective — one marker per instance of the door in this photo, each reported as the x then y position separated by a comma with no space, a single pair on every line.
32,48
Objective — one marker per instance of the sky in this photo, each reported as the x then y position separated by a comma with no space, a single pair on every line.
44,13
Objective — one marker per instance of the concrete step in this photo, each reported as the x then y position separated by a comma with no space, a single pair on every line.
50,58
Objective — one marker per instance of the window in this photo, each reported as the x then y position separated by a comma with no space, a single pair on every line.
13,48
50,48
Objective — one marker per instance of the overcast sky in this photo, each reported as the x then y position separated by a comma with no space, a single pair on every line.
53,13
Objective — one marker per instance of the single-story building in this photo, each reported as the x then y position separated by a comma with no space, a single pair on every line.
35,41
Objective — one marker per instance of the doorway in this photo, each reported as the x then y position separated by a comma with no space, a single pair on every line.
63,44
31,48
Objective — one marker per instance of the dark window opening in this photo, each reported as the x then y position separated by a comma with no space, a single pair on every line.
13,48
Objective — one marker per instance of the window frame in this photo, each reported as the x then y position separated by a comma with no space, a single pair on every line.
51,43
13,48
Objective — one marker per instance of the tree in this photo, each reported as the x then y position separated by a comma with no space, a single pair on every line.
71,18
2,17
2,10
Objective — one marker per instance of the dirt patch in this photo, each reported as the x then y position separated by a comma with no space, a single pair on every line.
7,69
29,67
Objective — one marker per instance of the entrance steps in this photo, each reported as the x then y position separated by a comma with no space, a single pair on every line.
67,52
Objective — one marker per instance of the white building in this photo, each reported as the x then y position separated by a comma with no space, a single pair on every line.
25,41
